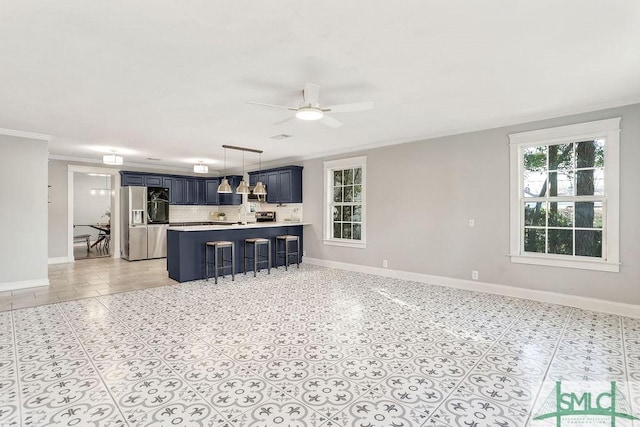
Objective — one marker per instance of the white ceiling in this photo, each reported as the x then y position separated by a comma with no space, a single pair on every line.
171,79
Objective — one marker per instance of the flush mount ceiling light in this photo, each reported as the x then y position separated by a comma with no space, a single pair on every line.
200,168
224,186
309,113
112,159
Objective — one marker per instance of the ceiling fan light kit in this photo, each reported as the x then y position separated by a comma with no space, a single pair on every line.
310,108
309,113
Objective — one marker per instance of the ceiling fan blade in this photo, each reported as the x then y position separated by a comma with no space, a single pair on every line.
281,122
311,93
330,121
271,105
347,108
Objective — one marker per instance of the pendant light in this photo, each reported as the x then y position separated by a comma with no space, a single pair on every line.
224,186
259,189
243,188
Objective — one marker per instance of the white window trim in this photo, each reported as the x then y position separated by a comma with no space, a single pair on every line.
329,167
608,129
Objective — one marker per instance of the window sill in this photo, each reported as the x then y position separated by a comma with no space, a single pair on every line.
580,264
345,243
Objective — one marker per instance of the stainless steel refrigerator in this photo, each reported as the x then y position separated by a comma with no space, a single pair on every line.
144,219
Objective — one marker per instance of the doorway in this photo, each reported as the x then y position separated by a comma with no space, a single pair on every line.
91,215
92,212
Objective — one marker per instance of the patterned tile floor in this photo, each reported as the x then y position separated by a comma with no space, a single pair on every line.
308,347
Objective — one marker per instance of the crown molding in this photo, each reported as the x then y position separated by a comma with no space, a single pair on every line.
24,134
154,168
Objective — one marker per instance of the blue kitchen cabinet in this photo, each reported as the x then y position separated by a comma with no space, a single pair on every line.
271,181
211,191
284,185
153,181
254,177
140,179
186,190
200,196
130,179
177,189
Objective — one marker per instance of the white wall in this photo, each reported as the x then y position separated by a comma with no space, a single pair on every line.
421,195
23,217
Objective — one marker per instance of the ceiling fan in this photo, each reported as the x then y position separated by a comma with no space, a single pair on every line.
310,108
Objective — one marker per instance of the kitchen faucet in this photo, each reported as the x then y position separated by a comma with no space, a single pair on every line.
242,214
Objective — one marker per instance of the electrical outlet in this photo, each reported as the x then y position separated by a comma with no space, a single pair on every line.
385,264
474,275
472,223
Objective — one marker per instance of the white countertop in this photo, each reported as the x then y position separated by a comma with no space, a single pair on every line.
236,226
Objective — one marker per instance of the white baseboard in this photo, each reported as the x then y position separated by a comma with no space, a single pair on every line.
23,284
611,307
60,260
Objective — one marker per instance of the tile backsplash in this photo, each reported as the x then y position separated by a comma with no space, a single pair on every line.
200,213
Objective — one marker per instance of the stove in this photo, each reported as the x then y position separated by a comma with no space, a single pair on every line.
265,216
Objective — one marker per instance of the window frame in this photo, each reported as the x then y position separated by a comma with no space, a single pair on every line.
329,167
609,130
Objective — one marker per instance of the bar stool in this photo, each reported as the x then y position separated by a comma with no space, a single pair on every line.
287,238
219,245
257,258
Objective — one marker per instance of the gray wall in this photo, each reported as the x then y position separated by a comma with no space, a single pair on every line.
58,209
421,195
23,217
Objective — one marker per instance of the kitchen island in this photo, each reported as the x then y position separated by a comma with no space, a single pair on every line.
186,245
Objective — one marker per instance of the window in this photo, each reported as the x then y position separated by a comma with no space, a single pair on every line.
564,196
345,182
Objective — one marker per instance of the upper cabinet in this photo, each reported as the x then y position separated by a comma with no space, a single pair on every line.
211,191
284,185
185,190
141,179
